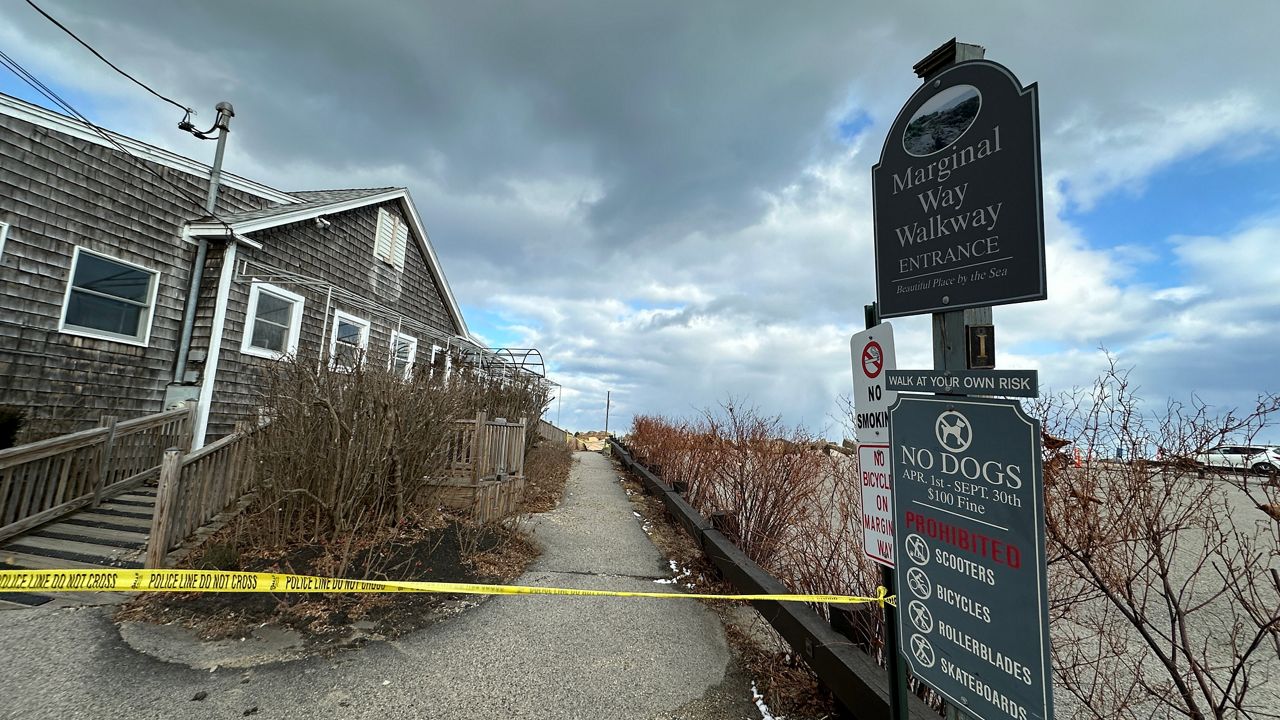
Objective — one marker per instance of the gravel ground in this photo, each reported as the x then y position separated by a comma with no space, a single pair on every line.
513,656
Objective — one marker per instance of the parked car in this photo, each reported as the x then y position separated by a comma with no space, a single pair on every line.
1259,459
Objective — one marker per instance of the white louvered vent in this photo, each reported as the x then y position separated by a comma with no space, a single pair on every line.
401,240
391,239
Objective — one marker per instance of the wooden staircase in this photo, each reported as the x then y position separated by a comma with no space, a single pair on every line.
112,535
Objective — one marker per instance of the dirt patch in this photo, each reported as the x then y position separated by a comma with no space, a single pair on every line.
440,549
452,552
788,685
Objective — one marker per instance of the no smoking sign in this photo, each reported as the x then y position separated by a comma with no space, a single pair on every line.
872,352
872,359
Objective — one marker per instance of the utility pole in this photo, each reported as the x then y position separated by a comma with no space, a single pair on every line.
222,125
608,396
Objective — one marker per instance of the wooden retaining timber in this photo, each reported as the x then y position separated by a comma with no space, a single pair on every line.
852,676
42,481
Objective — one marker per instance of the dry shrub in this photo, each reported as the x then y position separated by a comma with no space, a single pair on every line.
763,479
1162,598
792,508
349,457
546,470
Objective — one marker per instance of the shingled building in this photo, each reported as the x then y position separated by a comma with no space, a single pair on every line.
98,238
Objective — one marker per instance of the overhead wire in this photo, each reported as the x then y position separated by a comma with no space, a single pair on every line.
113,66
28,77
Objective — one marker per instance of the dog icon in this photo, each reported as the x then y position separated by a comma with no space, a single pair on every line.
953,431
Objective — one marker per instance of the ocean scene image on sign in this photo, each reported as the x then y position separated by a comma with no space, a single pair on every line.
942,120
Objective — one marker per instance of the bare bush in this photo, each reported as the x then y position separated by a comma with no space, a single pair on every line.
347,449
792,508
1162,601
546,472
349,456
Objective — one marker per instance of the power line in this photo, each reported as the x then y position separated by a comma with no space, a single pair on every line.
113,66
28,77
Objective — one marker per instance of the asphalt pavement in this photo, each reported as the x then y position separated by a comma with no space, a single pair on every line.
513,656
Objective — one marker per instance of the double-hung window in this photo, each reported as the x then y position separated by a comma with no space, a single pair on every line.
404,349
109,298
390,239
348,342
4,233
272,322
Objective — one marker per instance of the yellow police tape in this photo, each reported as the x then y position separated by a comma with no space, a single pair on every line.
107,580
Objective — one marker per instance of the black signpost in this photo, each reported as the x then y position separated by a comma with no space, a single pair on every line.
959,228
972,590
958,218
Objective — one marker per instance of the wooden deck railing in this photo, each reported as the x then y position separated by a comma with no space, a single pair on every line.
41,481
197,487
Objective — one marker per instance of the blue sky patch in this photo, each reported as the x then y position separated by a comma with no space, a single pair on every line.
1205,194
493,327
852,125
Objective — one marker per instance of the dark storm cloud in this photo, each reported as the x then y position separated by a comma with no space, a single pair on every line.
681,111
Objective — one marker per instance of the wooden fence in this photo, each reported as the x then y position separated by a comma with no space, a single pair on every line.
486,468
498,450
196,488
548,431
43,480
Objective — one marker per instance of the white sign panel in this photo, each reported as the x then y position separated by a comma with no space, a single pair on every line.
872,352
877,502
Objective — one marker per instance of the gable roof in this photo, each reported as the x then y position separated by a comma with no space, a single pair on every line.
273,215
327,202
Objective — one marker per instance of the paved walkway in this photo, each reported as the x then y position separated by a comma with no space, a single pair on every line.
538,657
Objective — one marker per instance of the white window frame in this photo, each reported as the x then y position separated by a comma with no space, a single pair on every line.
4,234
339,316
413,353
390,239
79,331
251,317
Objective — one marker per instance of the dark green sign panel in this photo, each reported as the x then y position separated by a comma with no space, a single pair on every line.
973,607
957,198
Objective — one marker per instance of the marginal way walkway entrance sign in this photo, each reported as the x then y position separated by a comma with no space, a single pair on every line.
973,617
958,217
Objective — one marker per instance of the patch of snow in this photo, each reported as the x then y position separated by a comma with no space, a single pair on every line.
680,573
764,709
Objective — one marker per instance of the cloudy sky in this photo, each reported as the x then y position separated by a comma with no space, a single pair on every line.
671,200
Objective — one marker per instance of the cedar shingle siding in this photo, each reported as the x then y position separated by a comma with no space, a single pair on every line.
341,256
58,191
